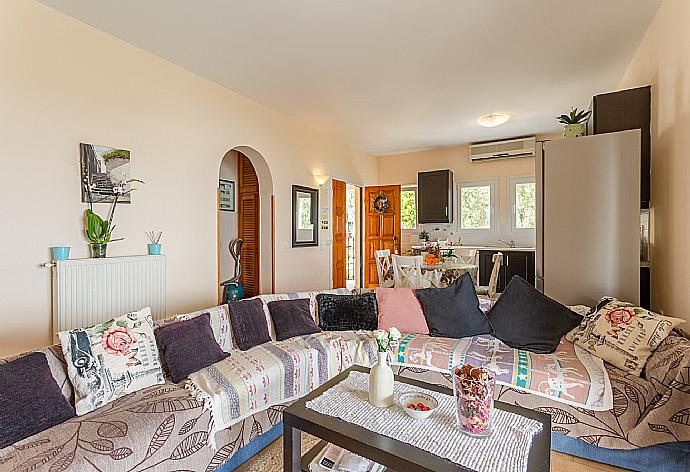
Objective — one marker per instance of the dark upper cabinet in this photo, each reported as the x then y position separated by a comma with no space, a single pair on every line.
514,263
435,196
623,110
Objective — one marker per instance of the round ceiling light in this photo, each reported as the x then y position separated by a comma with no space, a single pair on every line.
493,119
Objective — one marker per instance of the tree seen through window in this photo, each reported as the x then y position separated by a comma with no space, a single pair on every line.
525,206
475,207
305,214
408,209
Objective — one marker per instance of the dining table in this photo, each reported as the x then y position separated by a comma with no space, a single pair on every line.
445,273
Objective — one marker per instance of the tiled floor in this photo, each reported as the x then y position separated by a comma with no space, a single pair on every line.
567,463
271,460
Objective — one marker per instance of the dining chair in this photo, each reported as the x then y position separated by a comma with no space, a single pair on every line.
468,256
490,290
407,271
383,268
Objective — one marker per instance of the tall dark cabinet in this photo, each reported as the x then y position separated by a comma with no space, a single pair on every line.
620,111
435,196
624,110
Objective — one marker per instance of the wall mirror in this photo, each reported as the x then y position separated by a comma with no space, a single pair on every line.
305,207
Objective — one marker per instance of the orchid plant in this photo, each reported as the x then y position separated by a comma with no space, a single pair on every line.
97,229
386,339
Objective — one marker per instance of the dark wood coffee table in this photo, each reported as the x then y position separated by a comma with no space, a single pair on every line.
395,455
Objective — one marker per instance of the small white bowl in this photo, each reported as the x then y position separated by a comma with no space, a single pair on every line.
414,398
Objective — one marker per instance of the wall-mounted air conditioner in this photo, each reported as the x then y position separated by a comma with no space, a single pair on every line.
510,149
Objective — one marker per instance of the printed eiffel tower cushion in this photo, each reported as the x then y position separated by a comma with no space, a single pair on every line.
622,334
111,359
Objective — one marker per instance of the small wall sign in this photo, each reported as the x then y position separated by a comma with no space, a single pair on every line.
227,195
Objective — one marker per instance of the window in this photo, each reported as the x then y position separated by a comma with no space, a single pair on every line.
304,221
476,205
408,208
523,202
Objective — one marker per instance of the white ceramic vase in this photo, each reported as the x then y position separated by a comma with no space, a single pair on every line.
381,383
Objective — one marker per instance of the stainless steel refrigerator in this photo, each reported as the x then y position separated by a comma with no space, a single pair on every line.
588,218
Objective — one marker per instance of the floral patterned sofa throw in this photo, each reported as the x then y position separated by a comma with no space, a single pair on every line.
164,425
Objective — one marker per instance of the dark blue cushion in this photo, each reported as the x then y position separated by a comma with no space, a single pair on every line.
292,318
188,346
30,399
249,326
453,312
524,318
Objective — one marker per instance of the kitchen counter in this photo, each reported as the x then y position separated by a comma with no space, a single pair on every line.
494,248
486,248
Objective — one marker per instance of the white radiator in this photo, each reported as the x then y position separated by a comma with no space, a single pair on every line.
91,291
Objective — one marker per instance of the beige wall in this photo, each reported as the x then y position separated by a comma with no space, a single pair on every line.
227,219
663,60
403,169
62,83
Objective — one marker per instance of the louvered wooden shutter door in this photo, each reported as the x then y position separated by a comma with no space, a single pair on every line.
339,233
248,224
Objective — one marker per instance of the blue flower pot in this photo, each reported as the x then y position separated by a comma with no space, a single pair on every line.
60,253
154,249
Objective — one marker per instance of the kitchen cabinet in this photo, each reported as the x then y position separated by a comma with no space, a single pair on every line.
624,110
514,263
645,287
435,196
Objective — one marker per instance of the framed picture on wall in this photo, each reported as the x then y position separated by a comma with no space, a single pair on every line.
227,195
103,168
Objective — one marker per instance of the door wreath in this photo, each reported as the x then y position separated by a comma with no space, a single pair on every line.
381,203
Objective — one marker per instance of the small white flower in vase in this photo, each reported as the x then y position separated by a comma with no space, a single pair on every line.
381,375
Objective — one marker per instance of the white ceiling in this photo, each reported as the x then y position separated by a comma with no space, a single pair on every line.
392,75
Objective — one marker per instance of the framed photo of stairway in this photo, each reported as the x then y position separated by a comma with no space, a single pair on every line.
102,168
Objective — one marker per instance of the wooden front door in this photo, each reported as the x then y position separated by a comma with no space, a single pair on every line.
381,230
248,215
339,233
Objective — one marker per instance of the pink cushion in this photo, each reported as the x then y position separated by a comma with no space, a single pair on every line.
400,308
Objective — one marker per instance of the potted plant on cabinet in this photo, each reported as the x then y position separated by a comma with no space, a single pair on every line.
574,123
423,236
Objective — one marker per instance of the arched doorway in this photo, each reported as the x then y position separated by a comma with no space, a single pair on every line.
250,218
